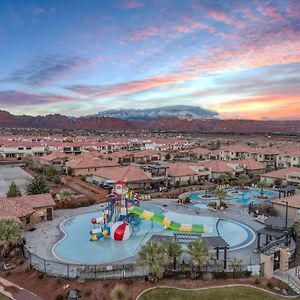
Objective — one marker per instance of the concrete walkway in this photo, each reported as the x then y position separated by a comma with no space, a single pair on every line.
14,291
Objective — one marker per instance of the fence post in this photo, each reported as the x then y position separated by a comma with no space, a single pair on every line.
68,271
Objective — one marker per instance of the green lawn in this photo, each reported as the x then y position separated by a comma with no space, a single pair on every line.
226,293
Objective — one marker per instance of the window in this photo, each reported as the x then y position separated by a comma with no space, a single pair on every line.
27,220
20,148
28,148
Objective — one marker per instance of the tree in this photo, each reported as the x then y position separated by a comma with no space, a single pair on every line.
278,182
50,172
70,171
224,178
199,251
13,191
174,251
153,256
221,195
262,185
66,195
37,185
244,178
10,235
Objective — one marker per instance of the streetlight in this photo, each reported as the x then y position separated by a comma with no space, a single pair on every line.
286,220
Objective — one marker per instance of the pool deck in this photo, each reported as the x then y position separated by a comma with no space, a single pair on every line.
47,234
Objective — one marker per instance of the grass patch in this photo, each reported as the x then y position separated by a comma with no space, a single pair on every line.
226,293
2,297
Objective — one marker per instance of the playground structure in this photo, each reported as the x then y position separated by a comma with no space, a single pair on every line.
123,210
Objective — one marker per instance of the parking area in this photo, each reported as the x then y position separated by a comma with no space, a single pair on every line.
9,174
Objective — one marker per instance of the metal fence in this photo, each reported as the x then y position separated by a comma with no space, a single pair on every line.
82,271
122,271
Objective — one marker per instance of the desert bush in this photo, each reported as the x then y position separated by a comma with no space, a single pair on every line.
283,285
256,280
119,293
208,276
88,293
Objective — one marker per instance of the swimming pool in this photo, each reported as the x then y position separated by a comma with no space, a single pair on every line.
201,199
76,246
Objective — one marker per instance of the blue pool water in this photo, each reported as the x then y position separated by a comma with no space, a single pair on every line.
233,195
76,247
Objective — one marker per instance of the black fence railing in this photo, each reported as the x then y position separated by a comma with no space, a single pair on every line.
122,271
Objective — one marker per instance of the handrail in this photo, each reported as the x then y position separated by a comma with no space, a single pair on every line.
269,246
292,280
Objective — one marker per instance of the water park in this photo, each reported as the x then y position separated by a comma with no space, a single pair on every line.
214,232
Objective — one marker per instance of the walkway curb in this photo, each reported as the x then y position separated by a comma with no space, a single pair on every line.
213,287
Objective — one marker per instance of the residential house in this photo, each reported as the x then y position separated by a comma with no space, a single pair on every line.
134,176
285,176
27,210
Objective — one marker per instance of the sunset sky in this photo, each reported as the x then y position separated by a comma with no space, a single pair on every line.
79,57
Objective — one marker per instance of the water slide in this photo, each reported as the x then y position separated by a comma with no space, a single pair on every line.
148,215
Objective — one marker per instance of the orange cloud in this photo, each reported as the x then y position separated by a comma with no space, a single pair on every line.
285,107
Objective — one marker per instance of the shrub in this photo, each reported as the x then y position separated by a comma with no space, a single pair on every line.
247,273
128,281
270,284
119,293
256,280
221,275
208,276
283,285
88,293
56,179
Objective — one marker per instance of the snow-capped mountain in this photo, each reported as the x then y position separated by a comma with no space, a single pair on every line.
177,111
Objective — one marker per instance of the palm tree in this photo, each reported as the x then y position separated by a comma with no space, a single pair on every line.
13,191
224,178
244,178
36,186
10,235
174,250
262,185
221,195
153,255
199,251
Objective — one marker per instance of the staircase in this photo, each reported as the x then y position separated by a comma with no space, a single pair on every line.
294,283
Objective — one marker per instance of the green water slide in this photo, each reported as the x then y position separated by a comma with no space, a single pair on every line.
148,215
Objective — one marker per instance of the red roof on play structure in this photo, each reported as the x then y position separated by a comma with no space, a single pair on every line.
120,182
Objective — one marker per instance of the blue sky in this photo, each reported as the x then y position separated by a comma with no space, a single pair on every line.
239,58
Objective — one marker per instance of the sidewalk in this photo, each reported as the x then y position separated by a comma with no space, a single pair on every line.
16,292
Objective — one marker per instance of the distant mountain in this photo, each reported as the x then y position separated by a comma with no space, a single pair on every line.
212,125
176,111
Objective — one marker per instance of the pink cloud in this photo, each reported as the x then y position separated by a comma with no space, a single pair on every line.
271,12
132,4
145,33
14,98
220,17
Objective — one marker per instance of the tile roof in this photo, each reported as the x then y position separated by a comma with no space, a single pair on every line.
82,162
251,164
123,173
282,173
19,207
293,201
180,169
